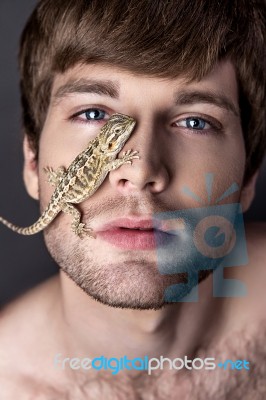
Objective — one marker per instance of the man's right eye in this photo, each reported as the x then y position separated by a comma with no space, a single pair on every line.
90,115
94,113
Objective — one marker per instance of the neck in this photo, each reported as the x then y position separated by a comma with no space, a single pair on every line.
92,329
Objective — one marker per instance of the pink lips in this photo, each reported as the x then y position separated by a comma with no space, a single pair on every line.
131,234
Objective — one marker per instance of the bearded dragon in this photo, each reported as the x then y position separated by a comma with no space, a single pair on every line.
84,175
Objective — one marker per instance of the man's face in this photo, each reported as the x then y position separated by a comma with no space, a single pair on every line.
183,131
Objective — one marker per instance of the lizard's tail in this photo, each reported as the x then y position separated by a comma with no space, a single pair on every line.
38,226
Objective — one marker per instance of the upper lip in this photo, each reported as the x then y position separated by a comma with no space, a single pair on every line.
129,223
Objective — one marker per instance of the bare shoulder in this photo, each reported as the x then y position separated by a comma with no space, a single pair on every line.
20,319
28,310
251,307
24,335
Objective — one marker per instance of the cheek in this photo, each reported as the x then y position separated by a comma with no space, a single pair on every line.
228,162
211,168
61,142
56,149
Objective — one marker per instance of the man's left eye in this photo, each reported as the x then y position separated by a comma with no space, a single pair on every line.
194,123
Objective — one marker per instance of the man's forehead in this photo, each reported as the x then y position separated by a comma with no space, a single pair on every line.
103,69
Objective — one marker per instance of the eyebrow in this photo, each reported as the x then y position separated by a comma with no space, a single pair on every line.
193,97
102,87
111,89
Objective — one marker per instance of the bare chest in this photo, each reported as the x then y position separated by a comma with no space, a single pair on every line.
215,384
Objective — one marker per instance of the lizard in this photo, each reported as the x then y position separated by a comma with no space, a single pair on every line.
84,175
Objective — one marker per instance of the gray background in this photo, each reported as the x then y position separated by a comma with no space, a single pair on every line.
24,261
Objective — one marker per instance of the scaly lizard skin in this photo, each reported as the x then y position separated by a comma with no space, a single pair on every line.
84,175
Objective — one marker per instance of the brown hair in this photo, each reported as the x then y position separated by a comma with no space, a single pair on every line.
163,38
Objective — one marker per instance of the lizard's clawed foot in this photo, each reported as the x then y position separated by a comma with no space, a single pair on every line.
129,155
82,231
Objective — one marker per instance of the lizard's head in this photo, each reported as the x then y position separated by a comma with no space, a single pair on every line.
116,132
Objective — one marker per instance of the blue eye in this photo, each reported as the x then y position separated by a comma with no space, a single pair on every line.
195,123
199,125
94,114
89,115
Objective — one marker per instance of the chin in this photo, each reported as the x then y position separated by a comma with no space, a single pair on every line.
136,291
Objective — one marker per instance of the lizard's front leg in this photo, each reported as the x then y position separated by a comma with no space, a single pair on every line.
127,157
54,177
77,227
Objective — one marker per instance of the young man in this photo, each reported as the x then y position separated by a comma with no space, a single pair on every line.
192,75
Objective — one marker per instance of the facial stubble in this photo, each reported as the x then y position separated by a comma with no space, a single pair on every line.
131,281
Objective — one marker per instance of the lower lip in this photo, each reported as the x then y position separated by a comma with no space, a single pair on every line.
134,239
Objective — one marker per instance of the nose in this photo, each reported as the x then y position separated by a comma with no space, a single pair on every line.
150,171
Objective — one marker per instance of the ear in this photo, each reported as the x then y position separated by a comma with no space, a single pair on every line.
248,192
30,170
